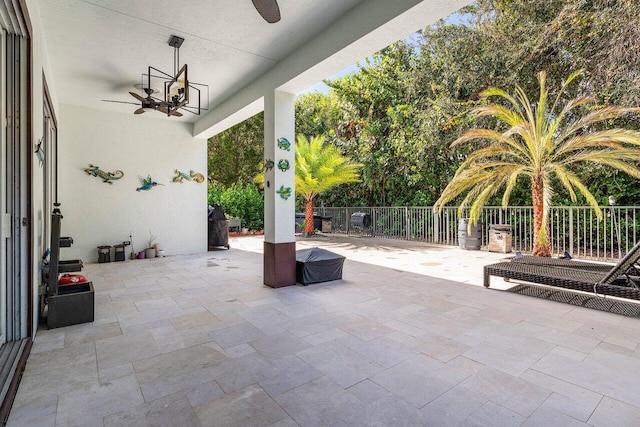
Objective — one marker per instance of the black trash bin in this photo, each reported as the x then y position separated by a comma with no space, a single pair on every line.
300,220
218,227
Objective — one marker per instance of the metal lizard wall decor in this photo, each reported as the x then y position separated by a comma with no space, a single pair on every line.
193,176
107,177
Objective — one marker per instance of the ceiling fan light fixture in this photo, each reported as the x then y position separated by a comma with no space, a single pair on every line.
175,88
142,87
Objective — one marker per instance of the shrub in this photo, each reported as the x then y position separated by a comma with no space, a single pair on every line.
240,201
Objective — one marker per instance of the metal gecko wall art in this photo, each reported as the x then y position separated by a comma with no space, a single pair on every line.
107,177
192,176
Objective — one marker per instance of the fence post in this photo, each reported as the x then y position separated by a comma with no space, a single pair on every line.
571,230
407,223
346,219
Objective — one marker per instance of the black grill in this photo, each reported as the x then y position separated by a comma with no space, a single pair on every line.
360,220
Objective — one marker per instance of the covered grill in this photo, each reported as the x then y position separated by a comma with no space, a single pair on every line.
218,227
360,219
318,265
360,224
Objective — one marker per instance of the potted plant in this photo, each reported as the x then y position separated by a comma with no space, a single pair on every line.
150,251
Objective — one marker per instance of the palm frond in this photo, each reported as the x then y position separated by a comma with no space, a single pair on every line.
565,84
511,183
494,91
586,193
563,176
500,112
596,116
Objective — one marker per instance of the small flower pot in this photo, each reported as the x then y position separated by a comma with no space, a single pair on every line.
150,253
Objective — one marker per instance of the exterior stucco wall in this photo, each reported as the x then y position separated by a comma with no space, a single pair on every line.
96,213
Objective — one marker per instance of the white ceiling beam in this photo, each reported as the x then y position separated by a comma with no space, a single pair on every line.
365,29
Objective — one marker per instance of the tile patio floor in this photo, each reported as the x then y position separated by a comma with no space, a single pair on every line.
408,337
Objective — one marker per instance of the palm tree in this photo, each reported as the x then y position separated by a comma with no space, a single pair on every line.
541,141
320,167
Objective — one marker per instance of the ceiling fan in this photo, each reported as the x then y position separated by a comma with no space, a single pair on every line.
148,103
268,9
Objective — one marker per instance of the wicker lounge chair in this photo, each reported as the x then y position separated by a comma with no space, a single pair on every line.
564,263
619,280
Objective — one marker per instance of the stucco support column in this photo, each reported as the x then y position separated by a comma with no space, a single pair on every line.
279,207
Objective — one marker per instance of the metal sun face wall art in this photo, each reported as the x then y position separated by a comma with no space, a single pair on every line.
107,177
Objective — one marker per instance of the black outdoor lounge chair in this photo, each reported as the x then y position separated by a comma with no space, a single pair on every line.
564,263
619,280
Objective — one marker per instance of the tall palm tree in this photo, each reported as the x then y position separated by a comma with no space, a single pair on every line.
541,140
320,167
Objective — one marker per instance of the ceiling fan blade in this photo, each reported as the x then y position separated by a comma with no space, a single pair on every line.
139,111
268,9
138,97
120,102
164,108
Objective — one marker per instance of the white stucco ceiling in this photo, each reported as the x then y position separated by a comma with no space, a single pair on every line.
99,49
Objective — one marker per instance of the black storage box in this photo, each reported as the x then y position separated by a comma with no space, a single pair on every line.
318,265
104,254
66,242
118,252
74,304
69,266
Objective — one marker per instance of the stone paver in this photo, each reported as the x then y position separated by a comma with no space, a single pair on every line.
408,337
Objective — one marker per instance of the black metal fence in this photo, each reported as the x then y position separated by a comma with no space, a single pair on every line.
574,229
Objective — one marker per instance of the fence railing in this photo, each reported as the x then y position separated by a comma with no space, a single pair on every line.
573,229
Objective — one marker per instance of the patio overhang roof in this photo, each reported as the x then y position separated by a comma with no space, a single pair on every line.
99,49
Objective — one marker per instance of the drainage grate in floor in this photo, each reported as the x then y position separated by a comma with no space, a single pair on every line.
584,300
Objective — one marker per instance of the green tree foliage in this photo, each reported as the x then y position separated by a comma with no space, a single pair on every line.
399,114
539,140
319,167
318,114
235,154
244,201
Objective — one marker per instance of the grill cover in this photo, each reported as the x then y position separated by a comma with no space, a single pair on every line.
318,265
218,227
